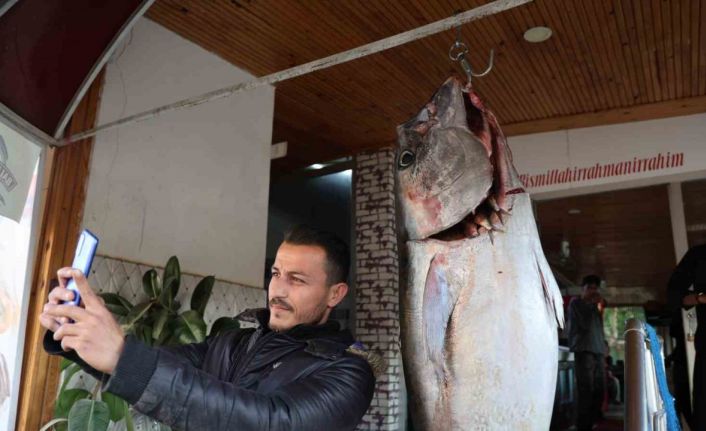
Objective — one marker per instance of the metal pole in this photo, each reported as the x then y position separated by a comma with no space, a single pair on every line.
323,63
635,393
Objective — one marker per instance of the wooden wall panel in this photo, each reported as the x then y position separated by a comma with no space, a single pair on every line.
61,221
623,236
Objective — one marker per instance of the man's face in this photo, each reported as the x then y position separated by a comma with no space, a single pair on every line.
299,291
590,292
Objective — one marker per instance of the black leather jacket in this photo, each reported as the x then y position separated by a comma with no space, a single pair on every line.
247,379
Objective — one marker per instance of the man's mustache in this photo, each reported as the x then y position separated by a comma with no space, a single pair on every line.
280,303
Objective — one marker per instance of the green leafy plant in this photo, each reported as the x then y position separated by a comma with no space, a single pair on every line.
156,322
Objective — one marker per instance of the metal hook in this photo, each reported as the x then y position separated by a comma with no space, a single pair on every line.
459,51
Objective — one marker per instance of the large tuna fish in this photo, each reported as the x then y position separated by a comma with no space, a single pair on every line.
480,305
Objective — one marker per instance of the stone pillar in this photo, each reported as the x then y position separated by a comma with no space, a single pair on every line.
377,280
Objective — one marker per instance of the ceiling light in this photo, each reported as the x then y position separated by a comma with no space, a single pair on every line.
317,166
538,34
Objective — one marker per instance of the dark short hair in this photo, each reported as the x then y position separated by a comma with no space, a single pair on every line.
337,252
591,279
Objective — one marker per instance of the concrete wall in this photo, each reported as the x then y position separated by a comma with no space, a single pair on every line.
192,183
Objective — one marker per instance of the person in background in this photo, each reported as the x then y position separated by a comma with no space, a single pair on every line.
691,271
587,341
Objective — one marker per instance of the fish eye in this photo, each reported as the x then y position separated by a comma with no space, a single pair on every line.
406,159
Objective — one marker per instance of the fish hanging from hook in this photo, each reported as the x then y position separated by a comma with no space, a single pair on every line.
459,52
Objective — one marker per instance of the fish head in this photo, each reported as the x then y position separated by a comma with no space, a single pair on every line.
444,170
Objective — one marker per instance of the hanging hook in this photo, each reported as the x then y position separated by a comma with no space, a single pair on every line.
459,51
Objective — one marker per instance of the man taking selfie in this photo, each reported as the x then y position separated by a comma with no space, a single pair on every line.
296,371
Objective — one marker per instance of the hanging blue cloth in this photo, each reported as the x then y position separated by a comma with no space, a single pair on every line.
656,350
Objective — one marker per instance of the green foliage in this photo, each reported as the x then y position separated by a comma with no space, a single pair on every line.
614,319
156,322
89,415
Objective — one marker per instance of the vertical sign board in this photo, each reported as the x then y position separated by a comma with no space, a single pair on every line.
18,184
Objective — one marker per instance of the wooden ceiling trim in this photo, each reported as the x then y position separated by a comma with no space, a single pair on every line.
702,49
332,92
645,10
574,74
396,17
380,63
555,57
631,52
668,42
658,61
610,59
413,56
642,63
509,59
690,29
626,76
538,92
539,69
394,61
591,58
694,40
601,68
575,55
669,108
681,14
508,86
226,41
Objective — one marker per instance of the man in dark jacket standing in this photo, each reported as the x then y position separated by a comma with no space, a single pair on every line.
690,274
587,341
296,371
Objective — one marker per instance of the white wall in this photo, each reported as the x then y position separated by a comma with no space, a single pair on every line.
597,148
192,183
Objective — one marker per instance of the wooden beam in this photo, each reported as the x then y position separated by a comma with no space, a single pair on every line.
651,111
61,221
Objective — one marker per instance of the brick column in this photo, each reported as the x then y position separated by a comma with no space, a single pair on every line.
377,280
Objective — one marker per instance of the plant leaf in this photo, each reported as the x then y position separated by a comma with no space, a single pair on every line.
151,284
67,398
143,332
193,329
172,276
223,324
160,320
202,293
89,415
129,424
116,303
68,374
64,363
136,313
116,405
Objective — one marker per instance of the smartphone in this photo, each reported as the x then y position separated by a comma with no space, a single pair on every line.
85,251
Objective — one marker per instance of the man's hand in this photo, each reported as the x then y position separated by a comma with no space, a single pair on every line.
94,333
691,300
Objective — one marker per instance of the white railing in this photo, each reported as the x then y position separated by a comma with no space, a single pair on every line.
644,408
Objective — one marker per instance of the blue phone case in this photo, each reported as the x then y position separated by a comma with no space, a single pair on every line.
85,251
